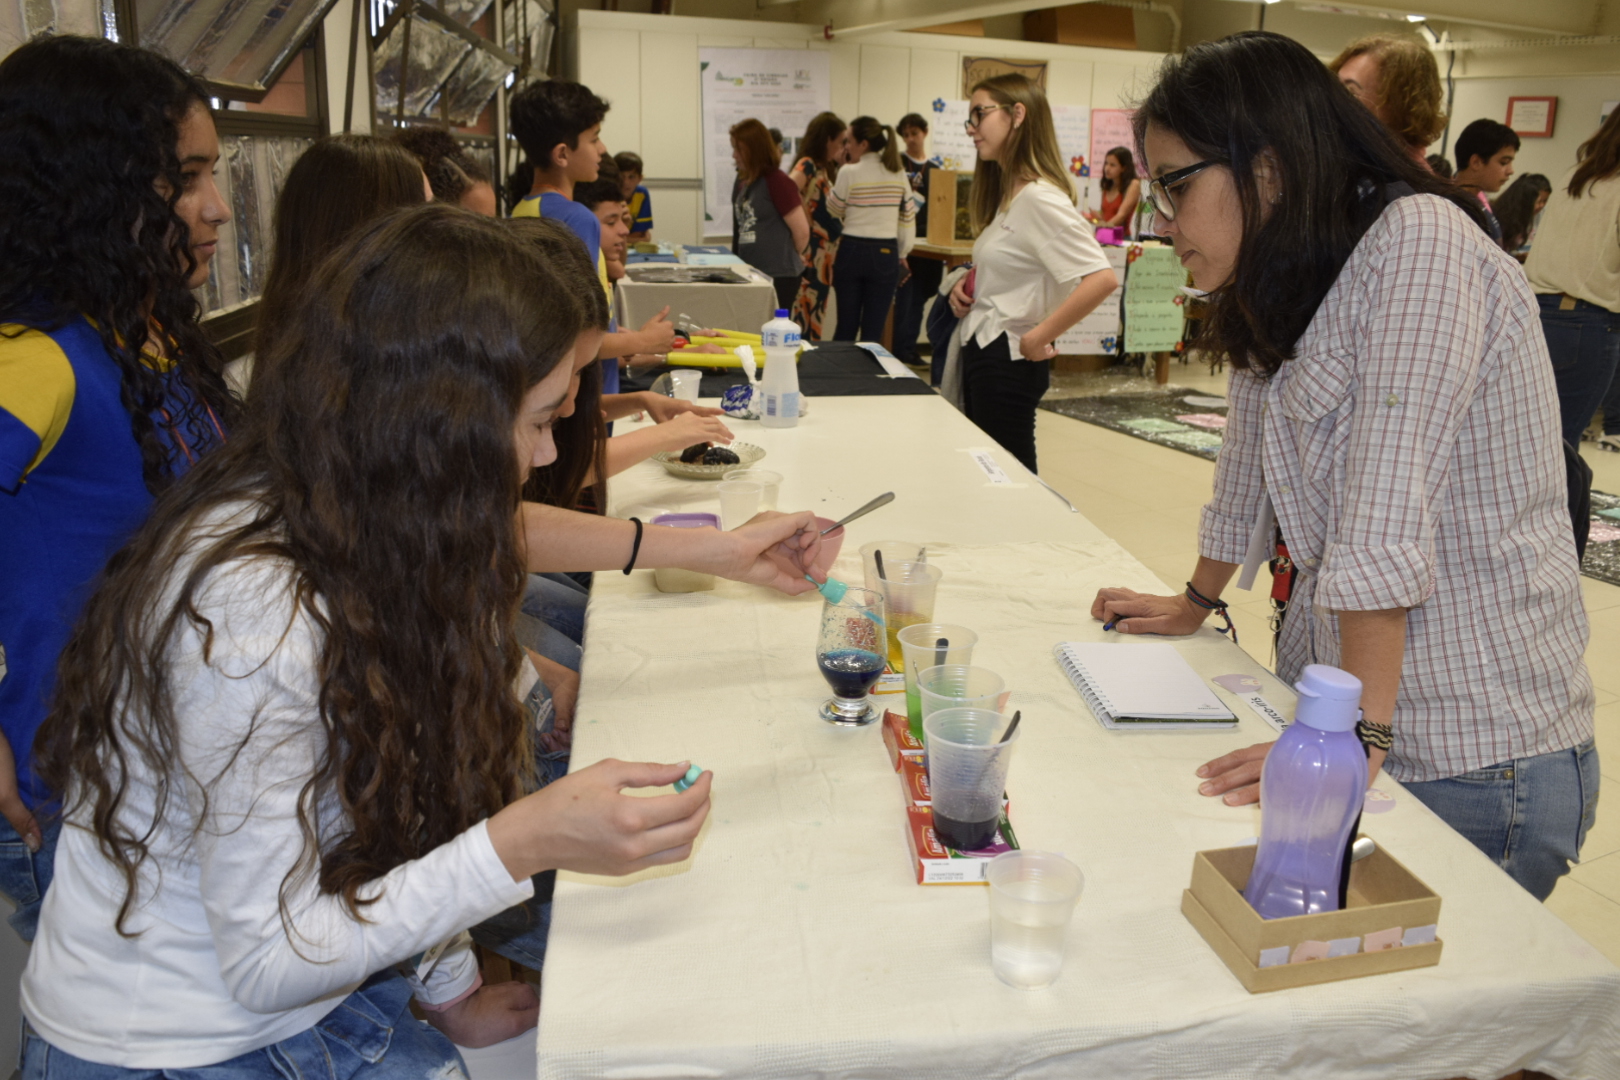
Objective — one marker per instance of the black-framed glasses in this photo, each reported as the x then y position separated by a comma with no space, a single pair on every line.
1158,193
976,116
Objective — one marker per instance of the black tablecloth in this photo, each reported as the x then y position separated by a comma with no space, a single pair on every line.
831,369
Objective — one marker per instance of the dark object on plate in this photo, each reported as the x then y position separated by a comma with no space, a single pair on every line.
693,455
719,455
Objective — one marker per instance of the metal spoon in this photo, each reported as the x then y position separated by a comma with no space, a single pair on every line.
882,500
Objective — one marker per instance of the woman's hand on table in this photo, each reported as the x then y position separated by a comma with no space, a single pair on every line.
688,428
1033,346
584,821
775,549
491,1014
1131,612
664,409
1236,776
961,300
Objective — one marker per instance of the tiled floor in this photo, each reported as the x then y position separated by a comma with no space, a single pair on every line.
1147,497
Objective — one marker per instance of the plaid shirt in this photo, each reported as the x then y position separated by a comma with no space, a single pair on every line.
1412,453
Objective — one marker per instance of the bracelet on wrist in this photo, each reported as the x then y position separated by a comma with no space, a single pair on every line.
635,548
1199,600
1379,736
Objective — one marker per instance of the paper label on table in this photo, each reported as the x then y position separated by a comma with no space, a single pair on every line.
1382,940
1377,802
1419,935
1247,688
986,461
1307,951
890,364
1274,957
1345,946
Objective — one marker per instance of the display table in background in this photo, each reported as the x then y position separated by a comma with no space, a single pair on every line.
830,369
747,305
795,942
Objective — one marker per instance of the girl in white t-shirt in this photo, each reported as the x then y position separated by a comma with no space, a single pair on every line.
1038,269
291,750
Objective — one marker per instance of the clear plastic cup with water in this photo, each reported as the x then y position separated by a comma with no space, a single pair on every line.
909,590
687,383
739,502
926,645
1032,899
967,774
893,551
770,481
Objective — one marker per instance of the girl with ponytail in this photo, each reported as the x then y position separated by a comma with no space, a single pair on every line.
873,199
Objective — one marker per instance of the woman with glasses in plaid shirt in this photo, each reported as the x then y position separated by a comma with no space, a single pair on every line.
1393,418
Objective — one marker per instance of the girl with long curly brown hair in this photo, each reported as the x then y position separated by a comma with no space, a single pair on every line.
292,758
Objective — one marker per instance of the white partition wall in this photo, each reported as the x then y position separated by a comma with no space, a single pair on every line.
647,66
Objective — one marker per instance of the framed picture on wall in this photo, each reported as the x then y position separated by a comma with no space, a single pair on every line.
1532,117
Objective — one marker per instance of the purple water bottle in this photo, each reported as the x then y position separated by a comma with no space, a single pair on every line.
1311,791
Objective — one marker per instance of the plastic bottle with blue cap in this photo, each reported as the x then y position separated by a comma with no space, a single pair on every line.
1311,791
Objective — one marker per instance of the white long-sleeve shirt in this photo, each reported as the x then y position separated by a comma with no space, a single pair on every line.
874,203
212,973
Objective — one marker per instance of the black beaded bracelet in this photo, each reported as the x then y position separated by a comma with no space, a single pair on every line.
1218,606
1380,736
635,549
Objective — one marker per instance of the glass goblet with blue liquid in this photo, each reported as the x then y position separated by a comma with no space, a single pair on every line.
851,655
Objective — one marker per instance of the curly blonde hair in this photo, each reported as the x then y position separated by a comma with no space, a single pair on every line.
1410,99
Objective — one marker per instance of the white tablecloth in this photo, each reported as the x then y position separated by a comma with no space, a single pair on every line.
795,943
709,305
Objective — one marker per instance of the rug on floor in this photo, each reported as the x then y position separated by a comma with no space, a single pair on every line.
1191,421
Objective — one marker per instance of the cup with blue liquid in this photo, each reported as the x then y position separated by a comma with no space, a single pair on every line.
851,652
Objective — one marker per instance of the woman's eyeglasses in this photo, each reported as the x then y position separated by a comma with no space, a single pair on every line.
1158,193
976,116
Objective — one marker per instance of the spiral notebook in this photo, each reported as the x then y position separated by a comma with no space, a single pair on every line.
1142,687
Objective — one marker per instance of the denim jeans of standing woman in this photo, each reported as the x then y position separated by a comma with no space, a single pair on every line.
1584,343
864,281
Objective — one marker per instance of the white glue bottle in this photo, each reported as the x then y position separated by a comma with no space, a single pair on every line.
780,386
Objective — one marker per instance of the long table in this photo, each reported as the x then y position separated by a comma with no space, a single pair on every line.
795,942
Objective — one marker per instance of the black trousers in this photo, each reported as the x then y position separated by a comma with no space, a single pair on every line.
787,290
1000,395
864,279
926,275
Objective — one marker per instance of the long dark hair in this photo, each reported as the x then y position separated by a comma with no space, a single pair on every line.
581,437
1515,208
1127,169
337,185
86,129
377,464
818,136
1598,157
1256,93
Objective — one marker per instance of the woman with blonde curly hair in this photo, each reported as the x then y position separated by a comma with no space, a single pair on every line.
1397,78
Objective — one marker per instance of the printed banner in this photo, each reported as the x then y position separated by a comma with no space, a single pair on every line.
781,88
1154,311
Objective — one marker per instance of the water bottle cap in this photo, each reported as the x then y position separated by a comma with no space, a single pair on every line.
1329,698
781,313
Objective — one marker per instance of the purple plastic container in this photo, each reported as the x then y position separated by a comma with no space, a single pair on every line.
1311,791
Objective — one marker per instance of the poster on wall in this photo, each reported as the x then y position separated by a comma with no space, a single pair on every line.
1154,311
948,138
1098,333
1532,117
976,69
1109,128
781,88
1073,123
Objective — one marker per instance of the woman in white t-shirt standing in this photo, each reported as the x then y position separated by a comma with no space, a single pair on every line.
1038,269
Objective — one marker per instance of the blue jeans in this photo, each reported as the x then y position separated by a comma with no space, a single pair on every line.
1529,815
864,280
558,602
25,875
370,1036
1584,344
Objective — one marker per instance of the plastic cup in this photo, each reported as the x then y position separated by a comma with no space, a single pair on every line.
893,551
908,590
739,501
770,481
958,686
1032,899
967,773
687,381
920,648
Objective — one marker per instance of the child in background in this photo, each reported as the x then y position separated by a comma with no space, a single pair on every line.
604,197
637,199
455,175
559,126
1485,153
923,282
